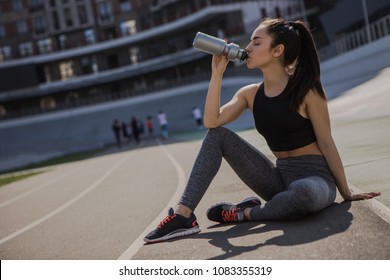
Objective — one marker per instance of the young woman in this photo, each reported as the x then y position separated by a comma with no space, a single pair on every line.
290,111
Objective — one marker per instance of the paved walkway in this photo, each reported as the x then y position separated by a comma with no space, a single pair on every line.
101,208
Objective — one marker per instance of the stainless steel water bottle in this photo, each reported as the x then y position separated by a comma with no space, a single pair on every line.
213,45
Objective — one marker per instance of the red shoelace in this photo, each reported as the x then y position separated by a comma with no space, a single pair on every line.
229,215
166,220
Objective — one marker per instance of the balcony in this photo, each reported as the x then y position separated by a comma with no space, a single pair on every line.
157,32
378,29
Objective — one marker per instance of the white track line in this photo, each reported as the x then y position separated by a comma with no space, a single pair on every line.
138,243
16,198
66,205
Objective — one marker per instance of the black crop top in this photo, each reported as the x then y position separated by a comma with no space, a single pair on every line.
283,129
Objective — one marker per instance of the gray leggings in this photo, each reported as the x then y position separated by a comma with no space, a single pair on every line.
293,188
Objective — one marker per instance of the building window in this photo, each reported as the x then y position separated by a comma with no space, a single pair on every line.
89,36
17,5
22,26
47,73
263,13
26,49
45,46
2,31
66,70
68,17
62,41
3,111
289,10
48,103
128,27
125,6
105,11
134,55
82,12
39,25
5,53
86,65
95,66
36,5
277,12
56,21
72,98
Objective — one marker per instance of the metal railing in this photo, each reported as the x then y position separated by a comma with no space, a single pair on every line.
378,29
103,97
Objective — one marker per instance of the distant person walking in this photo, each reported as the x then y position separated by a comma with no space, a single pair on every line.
116,128
163,121
197,114
135,129
125,133
150,125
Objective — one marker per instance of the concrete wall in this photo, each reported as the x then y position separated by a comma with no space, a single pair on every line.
348,70
40,137
24,141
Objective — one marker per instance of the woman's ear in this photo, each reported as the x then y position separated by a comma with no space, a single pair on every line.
278,50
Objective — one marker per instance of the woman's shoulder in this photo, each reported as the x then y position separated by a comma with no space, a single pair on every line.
313,96
249,90
248,93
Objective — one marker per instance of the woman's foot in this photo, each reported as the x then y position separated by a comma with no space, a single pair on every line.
226,212
174,225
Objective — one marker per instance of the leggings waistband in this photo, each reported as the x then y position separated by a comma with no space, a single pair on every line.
293,168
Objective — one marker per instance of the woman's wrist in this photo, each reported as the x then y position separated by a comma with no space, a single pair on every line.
346,194
216,75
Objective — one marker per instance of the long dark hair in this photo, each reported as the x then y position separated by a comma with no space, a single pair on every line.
299,47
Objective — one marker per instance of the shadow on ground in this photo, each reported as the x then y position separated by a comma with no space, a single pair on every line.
333,220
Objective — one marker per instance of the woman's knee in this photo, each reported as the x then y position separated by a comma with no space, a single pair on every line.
313,193
218,131
218,135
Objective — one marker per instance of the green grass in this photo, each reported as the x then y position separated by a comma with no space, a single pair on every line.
67,158
14,174
12,178
58,160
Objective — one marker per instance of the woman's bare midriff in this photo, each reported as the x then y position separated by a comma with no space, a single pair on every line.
311,149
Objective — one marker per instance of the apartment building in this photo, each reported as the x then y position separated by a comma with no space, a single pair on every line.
59,54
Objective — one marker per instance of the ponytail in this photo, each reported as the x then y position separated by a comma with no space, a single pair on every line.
307,73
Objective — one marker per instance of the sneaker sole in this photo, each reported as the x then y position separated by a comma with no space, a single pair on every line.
174,234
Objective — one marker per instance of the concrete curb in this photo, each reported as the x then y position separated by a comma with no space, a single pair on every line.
374,205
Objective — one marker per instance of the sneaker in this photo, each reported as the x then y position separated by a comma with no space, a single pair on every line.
174,225
226,212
